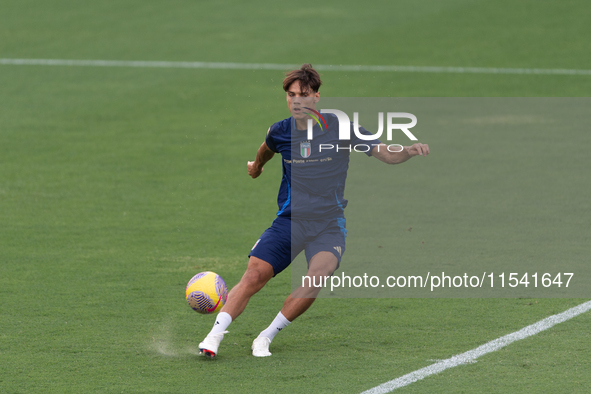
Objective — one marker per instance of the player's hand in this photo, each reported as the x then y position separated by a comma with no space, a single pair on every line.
253,171
418,149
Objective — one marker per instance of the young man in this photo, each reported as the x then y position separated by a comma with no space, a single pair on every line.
311,207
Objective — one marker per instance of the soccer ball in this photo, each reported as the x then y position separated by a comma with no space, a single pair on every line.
206,292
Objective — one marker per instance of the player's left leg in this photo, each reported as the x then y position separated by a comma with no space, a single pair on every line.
322,265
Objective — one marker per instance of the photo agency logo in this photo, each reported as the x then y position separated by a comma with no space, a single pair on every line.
345,130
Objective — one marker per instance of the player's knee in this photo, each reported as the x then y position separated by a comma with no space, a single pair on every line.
252,277
323,264
255,278
321,271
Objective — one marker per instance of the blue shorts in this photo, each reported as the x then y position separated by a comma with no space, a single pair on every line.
286,238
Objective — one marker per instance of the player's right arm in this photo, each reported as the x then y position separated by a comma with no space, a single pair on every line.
264,154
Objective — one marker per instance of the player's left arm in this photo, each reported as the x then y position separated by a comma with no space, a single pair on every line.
396,156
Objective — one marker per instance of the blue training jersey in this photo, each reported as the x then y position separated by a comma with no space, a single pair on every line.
314,170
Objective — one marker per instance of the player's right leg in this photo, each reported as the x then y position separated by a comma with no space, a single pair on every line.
256,276
270,255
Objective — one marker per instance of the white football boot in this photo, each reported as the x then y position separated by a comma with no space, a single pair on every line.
211,343
260,347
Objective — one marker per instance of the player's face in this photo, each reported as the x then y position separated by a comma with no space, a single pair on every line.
298,99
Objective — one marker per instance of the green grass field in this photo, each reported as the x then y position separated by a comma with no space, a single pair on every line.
117,185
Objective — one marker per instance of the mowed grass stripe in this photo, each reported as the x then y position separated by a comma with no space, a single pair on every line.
473,354
273,66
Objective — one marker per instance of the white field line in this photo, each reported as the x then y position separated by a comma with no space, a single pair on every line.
471,355
286,67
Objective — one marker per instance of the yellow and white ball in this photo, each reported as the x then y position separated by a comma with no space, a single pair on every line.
206,292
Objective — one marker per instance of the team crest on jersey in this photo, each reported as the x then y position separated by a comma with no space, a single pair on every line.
306,149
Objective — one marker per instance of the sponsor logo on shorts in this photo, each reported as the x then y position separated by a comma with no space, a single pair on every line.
256,243
338,249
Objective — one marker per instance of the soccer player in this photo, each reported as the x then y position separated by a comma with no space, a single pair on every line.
311,207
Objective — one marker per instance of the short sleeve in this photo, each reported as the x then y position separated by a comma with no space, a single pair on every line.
269,140
358,141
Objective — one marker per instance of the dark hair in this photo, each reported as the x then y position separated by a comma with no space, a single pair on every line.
308,77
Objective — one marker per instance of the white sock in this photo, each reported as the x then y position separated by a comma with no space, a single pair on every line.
222,322
279,323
